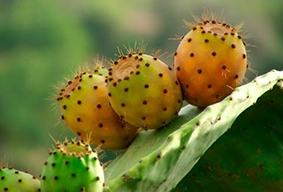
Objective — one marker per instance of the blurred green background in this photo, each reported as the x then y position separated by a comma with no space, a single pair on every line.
40,41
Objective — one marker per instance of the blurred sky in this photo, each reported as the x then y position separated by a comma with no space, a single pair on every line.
40,41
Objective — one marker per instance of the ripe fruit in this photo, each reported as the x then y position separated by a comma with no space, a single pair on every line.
144,91
72,167
210,62
86,110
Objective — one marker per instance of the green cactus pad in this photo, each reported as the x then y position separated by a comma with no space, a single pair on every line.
17,181
159,160
249,156
72,167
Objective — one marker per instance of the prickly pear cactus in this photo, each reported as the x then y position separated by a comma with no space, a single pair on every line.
210,62
248,157
86,111
141,86
17,181
73,166
159,159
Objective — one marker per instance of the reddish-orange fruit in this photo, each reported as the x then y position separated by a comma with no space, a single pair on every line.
210,62
86,110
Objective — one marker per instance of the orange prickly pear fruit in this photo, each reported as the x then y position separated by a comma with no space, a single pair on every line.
86,110
210,62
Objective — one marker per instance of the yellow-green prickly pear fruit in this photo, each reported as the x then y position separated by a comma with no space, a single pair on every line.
210,62
86,111
144,91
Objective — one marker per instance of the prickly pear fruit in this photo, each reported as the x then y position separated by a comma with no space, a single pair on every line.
16,181
86,110
73,166
210,62
144,91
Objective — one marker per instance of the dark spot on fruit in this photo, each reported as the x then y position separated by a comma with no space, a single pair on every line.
215,34
187,86
53,164
147,64
115,62
64,107
233,46
160,75
165,91
62,117
73,175
203,32
100,125
109,94
176,82
79,134
79,119
137,66
55,178
136,57
79,102
223,38
261,166
144,102
170,68
192,55
178,68
127,78
209,86
189,40
154,58
69,82
129,55
239,37
224,67
217,96
232,34
158,157
122,104
199,71
206,40
114,84
19,180
126,89
124,57
90,76
146,86
197,124
140,59
143,118
213,22
194,28
165,109
179,101
79,87
236,76
102,141
66,162
95,87
175,53
213,53
225,33
244,56
138,72
98,106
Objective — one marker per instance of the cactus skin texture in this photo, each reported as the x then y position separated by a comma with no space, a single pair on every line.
159,159
17,181
142,86
72,167
210,62
248,157
86,111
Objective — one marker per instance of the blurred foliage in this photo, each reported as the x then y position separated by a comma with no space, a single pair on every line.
40,41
